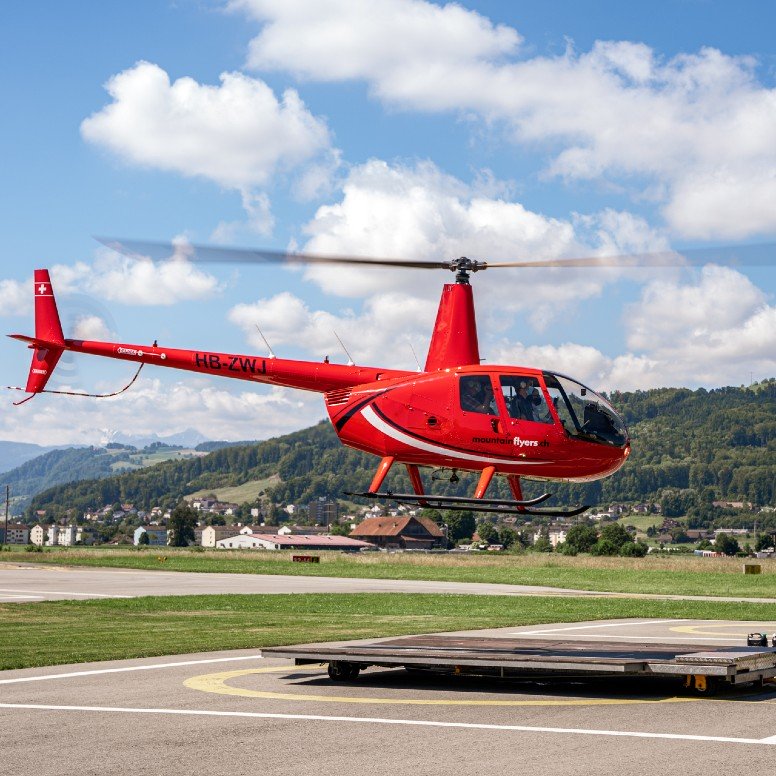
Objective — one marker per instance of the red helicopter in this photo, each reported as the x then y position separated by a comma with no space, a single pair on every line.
457,414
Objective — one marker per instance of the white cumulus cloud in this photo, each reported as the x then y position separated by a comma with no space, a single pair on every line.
717,330
238,134
15,297
696,130
383,334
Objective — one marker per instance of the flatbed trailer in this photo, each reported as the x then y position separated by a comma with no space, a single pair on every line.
701,667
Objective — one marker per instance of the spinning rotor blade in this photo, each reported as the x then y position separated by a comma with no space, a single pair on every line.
162,251
760,255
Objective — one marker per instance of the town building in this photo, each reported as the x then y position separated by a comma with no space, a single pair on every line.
157,535
555,535
214,533
323,512
408,533
37,535
15,533
293,542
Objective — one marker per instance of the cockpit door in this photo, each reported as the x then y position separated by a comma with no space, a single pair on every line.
480,417
529,419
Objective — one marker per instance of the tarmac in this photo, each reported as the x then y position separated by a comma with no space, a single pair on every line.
239,713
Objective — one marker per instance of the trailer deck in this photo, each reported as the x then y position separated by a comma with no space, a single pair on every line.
699,665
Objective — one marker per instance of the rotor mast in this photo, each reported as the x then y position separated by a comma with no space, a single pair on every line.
454,339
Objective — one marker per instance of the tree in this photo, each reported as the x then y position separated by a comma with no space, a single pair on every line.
460,525
144,539
633,550
604,547
764,541
434,514
183,520
542,544
616,534
726,543
507,537
487,533
581,538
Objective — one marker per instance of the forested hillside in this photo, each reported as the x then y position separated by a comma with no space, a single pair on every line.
82,463
697,444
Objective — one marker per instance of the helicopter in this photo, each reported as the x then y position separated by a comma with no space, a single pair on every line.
456,414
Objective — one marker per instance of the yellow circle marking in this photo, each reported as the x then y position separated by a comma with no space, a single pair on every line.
697,629
217,683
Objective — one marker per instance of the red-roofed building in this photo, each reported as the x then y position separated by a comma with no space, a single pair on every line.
292,542
408,533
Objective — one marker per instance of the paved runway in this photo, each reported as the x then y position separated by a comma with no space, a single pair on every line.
31,582
236,713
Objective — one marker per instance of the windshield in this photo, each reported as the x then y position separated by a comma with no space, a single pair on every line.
583,413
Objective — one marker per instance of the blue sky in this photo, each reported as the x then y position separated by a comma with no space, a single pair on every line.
401,128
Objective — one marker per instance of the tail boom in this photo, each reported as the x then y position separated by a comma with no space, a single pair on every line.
48,344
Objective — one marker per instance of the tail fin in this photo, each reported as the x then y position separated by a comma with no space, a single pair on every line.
49,340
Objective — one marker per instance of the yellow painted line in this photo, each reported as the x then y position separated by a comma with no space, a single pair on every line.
698,629
217,683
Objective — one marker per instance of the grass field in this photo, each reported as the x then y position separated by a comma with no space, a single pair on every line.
681,575
51,633
238,494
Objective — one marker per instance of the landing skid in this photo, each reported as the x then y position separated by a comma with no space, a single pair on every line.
474,504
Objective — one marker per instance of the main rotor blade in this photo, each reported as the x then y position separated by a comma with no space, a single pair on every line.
759,255
162,251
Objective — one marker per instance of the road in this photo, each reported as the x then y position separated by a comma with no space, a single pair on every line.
237,713
31,582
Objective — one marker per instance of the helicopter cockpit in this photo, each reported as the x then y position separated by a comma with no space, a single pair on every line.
583,413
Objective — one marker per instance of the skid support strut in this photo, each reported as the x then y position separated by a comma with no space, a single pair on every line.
382,471
485,478
417,482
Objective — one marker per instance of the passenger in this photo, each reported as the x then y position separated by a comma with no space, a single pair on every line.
477,396
526,403
488,400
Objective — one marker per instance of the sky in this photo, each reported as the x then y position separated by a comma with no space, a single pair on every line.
400,128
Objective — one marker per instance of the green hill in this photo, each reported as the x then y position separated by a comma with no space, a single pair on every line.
71,464
698,444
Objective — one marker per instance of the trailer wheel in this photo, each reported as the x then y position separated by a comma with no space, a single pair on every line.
342,671
704,685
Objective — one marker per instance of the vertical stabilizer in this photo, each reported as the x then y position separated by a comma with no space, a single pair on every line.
454,341
48,330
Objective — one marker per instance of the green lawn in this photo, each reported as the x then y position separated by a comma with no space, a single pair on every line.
57,632
681,575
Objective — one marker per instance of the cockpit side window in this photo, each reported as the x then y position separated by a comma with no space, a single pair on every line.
524,399
476,395
583,413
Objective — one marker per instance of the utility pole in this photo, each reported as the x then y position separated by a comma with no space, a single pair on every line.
7,502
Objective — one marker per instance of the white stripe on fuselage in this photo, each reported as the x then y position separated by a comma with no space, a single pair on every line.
371,417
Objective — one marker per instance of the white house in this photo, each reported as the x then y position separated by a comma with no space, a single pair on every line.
296,542
157,535
555,535
37,535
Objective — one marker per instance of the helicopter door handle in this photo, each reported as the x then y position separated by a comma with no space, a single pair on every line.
495,424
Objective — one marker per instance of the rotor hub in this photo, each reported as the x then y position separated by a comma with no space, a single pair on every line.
463,266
